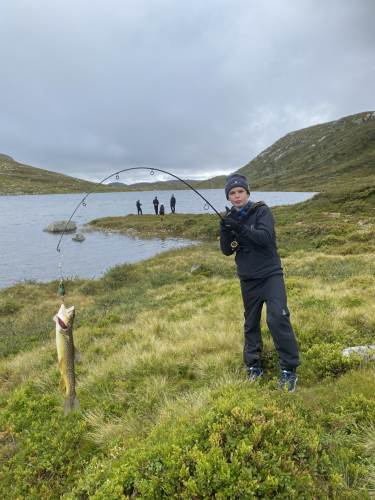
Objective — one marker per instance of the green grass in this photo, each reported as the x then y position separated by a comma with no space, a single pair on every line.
197,227
166,411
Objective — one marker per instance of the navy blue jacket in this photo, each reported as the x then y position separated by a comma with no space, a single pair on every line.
256,253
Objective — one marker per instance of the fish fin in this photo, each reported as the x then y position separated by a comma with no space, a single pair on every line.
70,404
77,355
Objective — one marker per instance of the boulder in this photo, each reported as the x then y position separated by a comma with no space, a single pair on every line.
78,237
61,226
367,352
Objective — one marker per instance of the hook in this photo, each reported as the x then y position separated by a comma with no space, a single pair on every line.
152,172
117,177
206,206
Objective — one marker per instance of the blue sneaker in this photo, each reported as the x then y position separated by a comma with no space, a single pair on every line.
254,373
288,380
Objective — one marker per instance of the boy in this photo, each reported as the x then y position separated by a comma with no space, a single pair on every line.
248,230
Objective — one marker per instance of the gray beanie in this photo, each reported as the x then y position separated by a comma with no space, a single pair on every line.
236,180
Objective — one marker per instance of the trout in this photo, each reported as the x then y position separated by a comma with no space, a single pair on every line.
66,354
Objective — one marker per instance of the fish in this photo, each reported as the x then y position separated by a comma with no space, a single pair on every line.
66,355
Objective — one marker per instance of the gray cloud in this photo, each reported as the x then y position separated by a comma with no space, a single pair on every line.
88,87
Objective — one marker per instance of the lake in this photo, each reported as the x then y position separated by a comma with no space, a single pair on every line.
29,253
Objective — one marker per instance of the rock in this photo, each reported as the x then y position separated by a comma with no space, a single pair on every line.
61,226
78,237
195,268
365,351
335,215
201,269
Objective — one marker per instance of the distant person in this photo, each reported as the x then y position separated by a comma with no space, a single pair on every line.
173,204
161,212
139,210
155,202
248,231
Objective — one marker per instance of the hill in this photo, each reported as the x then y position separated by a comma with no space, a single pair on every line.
18,178
174,185
317,158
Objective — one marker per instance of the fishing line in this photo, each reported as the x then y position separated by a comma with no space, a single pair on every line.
117,174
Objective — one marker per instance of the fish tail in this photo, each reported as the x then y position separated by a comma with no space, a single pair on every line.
71,403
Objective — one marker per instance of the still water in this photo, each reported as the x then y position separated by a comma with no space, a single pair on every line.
29,253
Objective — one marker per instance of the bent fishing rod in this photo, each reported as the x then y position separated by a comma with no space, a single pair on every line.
117,174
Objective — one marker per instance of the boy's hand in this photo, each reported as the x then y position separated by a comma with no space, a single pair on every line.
230,224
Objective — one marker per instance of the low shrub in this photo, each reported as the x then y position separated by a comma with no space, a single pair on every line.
8,307
326,360
49,448
242,445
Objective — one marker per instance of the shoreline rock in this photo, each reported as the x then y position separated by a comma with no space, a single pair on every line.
61,226
78,237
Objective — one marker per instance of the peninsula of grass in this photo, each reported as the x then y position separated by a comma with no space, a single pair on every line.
188,226
166,411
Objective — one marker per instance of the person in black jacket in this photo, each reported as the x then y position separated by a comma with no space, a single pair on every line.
248,231
155,202
173,203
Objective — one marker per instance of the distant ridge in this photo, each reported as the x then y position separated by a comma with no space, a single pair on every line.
18,178
5,157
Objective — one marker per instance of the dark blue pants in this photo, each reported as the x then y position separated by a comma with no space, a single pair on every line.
270,291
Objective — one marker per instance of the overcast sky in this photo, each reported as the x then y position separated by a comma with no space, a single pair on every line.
198,87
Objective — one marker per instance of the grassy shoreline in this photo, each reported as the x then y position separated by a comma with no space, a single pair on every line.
165,408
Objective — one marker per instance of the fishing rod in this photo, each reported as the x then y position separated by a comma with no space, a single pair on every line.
117,174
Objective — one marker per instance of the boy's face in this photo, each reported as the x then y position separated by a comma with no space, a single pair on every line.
238,196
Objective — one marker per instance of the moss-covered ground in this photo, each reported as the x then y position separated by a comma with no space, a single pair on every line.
166,410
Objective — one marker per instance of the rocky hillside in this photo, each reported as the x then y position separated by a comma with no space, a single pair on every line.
326,156
17,178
